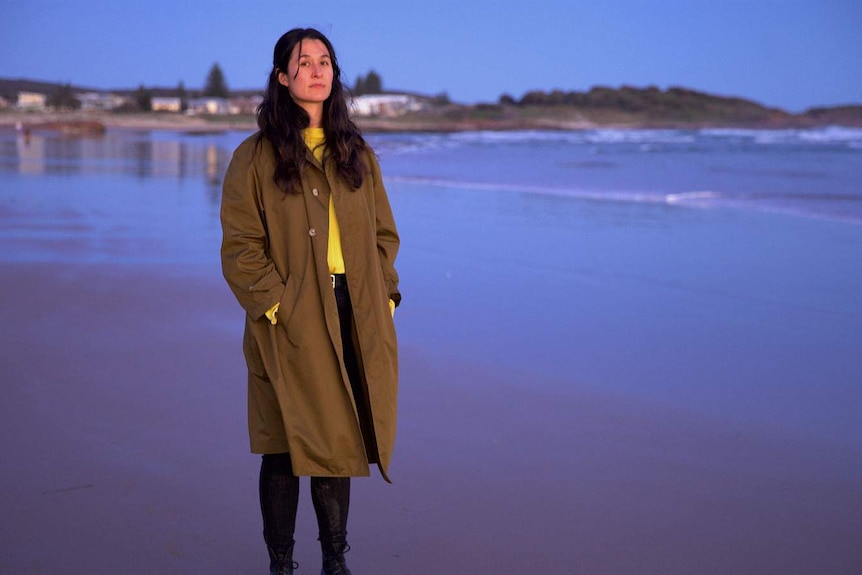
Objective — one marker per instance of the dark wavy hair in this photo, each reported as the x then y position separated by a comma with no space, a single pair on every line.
282,120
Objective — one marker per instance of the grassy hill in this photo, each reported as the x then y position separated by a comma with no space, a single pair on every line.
623,107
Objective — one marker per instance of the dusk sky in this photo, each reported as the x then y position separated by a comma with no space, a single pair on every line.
792,54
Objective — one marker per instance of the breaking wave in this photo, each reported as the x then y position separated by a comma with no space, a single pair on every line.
837,207
832,136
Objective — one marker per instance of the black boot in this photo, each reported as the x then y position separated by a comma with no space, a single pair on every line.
333,557
331,499
279,497
281,562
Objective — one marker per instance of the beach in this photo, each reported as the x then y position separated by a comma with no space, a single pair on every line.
586,386
126,452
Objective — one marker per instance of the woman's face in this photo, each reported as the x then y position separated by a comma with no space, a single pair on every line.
309,74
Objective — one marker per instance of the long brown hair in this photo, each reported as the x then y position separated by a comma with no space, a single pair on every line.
282,120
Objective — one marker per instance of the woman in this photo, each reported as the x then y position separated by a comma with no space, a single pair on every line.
309,245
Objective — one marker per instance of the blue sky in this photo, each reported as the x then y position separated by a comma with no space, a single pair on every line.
792,54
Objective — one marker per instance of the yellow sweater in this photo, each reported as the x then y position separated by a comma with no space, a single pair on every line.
316,142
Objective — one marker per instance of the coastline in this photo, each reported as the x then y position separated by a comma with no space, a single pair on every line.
94,123
83,123
139,121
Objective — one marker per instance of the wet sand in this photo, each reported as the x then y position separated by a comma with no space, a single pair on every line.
125,452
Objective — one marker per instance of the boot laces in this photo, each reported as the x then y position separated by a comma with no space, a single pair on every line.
280,564
335,564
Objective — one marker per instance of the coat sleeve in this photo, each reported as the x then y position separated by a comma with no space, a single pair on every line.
388,240
246,264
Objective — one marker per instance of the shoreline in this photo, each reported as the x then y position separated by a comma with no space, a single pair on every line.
54,121
95,123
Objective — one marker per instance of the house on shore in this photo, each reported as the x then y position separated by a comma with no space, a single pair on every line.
212,106
386,105
166,104
245,104
99,101
33,101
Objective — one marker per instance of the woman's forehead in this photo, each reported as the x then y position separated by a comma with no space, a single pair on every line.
310,47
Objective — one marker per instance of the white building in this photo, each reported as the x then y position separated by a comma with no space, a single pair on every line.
245,105
213,106
32,101
389,105
99,102
166,104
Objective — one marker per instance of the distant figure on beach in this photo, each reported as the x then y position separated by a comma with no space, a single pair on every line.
309,246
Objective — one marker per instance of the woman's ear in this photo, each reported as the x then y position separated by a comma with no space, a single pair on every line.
282,78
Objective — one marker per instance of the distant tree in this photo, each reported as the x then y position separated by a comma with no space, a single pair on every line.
184,98
144,99
359,87
441,99
63,98
216,86
370,84
373,83
10,96
534,98
557,98
507,100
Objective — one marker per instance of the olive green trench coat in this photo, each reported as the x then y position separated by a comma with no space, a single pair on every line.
274,249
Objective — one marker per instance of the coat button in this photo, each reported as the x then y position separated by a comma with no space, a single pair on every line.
312,232
314,192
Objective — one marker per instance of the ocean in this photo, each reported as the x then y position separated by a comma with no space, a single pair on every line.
815,173
717,272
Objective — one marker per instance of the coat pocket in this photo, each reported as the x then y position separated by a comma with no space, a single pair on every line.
253,357
287,307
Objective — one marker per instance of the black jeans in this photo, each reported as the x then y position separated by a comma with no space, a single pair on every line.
353,365
279,499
